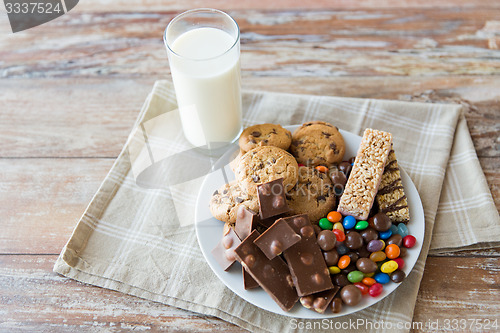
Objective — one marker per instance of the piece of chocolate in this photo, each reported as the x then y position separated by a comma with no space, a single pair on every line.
248,280
307,265
272,199
246,222
279,237
224,251
272,275
319,301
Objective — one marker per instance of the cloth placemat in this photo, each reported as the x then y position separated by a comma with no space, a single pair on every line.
138,238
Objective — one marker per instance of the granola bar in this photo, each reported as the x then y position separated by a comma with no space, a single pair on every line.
366,174
391,197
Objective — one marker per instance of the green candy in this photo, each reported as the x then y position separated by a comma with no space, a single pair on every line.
325,224
361,225
355,276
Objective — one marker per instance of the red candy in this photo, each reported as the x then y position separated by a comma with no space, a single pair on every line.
339,234
409,241
400,262
375,290
362,287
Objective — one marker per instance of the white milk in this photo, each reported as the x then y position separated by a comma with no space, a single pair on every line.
206,75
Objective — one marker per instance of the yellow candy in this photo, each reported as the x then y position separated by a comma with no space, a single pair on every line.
383,247
334,270
389,267
339,226
369,274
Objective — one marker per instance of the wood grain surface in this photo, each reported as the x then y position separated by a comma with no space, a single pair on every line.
71,89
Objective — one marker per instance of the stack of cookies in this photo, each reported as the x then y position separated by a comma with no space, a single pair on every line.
269,152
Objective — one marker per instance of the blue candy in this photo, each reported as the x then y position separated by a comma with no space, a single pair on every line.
403,230
394,229
349,222
342,249
382,278
385,234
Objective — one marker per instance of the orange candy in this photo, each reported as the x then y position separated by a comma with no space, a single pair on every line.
344,261
334,216
368,281
392,251
322,168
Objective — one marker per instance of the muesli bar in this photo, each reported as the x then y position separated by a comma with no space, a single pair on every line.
366,174
391,197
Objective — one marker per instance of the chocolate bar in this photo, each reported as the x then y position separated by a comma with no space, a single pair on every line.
366,174
272,275
319,301
272,199
248,280
307,265
391,196
279,237
246,221
224,251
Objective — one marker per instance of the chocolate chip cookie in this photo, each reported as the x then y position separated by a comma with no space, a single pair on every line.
226,200
264,164
265,135
317,143
312,195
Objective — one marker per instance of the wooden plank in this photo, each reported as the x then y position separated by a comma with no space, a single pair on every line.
417,42
34,298
92,117
159,5
42,199
459,288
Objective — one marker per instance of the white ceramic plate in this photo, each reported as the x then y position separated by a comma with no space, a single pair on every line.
209,233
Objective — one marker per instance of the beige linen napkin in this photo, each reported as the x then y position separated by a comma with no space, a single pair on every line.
140,239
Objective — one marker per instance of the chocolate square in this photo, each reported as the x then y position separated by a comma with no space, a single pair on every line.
248,280
279,237
319,301
272,275
224,251
246,222
272,199
305,260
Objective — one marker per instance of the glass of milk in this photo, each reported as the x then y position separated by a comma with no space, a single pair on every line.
203,47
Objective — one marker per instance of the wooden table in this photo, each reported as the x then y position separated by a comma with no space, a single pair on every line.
71,89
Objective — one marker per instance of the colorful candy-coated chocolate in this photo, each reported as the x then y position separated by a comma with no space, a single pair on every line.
338,226
349,222
368,281
334,216
378,256
300,164
370,274
322,168
394,229
355,276
361,225
389,267
403,230
325,224
383,244
342,249
375,290
385,234
375,245
400,262
392,251
382,278
409,241
362,287
398,276
344,261
339,234
334,270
